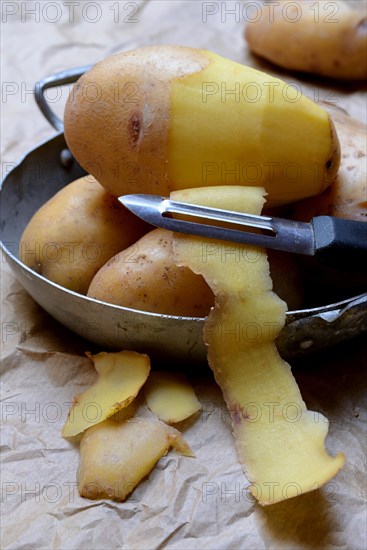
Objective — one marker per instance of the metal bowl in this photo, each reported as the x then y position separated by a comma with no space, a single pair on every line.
49,167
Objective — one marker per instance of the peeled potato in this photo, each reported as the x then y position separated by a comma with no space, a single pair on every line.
323,37
74,234
347,195
171,117
145,277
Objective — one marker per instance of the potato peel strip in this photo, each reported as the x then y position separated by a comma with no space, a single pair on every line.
280,443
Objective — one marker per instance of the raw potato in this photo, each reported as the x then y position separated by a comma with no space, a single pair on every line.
145,277
74,234
116,456
347,195
171,117
120,377
170,396
323,37
279,442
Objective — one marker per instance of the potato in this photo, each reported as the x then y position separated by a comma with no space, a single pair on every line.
323,37
116,456
347,195
279,442
170,117
74,234
145,277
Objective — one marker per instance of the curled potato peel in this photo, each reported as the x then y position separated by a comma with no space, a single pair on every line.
282,455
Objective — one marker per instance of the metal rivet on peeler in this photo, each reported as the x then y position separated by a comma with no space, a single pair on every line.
306,343
66,158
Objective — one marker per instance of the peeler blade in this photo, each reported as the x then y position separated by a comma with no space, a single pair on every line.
271,232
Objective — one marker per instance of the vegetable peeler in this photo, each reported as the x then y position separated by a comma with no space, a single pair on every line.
332,241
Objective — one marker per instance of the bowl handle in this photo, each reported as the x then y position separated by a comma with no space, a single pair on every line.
58,79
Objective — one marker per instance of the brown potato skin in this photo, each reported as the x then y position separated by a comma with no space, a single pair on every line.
347,195
330,41
71,236
144,277
136,112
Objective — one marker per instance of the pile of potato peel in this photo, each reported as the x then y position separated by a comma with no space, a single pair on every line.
117,449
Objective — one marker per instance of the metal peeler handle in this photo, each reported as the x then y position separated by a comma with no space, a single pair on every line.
58,79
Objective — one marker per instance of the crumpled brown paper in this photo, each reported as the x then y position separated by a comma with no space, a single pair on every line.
185,502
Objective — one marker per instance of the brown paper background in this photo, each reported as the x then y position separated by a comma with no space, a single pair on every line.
184,503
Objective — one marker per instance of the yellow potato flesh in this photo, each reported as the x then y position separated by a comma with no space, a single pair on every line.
347,195
116,456
279,442
170,396
262,128
121,375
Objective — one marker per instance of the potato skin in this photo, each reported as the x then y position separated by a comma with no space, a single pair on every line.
325,38
71,236
347,195
144,277
135,109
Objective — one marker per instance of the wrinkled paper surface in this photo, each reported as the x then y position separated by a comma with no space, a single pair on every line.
186,503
